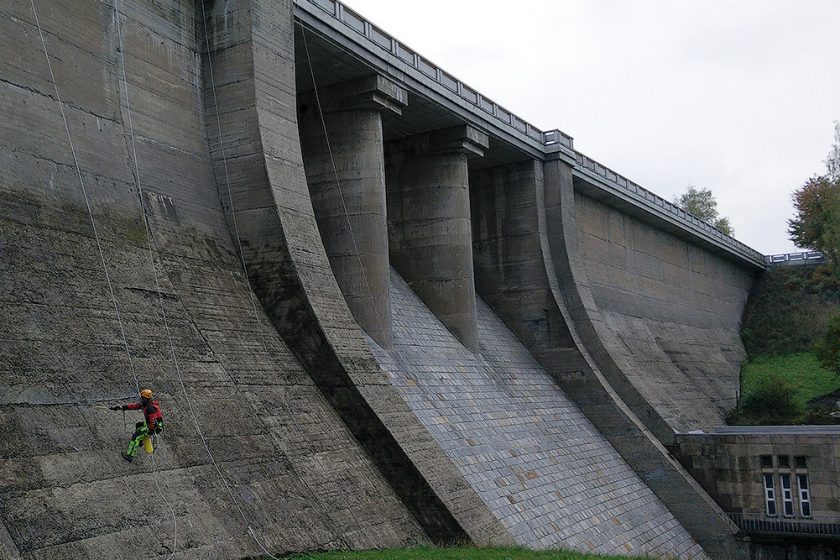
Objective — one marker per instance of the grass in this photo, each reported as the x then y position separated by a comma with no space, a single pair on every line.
456,553
802,370
775,390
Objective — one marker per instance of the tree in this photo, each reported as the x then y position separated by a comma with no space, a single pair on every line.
828,349
816,225
832,163
701,204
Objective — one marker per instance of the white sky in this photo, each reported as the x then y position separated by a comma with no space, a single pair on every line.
738,96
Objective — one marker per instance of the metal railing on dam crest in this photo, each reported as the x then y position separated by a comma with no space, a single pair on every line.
361,32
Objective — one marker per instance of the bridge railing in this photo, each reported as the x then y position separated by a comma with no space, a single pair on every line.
756,523
639,192
382,40
804,257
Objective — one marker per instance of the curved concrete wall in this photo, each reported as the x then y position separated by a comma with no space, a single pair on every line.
669,314
296,456
258,151
523,228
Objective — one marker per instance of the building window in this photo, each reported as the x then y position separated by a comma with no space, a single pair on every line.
766,461
770,494
804,495
800,462
787,495
784,461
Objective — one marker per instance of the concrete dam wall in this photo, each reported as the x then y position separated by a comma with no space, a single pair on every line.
370,323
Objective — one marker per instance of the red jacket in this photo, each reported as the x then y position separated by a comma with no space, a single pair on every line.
151,412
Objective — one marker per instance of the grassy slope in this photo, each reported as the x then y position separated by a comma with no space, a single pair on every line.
801,369
786,313
458,553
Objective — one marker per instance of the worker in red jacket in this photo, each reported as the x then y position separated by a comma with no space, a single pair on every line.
153,423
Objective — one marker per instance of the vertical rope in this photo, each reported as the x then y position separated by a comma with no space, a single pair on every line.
251,295
338,183
99,246
151,255
87,200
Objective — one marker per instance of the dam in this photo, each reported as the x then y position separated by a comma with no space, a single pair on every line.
377,308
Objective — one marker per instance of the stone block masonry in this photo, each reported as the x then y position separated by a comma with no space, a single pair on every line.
545,471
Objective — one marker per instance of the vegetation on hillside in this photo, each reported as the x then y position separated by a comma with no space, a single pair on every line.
789,309
816,224
791,324
456,553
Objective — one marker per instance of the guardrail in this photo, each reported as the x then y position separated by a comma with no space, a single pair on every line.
756,523
805,257
640,192
382,40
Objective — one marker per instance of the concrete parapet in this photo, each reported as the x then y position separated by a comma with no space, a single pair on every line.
429,223
345,170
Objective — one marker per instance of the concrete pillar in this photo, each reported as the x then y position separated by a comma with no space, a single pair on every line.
429,223
352,220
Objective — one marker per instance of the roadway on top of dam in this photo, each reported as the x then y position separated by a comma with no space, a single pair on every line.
342,45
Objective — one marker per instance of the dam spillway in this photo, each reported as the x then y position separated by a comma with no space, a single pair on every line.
484,399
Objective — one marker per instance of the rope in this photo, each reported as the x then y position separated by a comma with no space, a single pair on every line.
251,296
337,182
87,201
98,242
338,187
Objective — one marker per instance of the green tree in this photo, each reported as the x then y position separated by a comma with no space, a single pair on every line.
832,163
816,225
701,204
828,349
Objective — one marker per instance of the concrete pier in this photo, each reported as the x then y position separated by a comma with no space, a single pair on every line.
429,223
345,170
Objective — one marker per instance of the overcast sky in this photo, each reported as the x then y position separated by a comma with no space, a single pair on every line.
738,96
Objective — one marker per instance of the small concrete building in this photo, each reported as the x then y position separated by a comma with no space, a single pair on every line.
779,484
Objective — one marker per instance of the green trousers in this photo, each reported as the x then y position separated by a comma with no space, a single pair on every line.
140,432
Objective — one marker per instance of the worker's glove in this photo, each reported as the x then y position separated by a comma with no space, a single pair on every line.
116,407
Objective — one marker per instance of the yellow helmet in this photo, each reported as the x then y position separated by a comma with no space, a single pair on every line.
146,393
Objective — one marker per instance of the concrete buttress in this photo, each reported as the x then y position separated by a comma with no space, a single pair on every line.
345,170
429,223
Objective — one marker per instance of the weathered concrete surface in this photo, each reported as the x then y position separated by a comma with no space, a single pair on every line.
296,468
521,263
259,153
429,223
345,170
667,315
546,472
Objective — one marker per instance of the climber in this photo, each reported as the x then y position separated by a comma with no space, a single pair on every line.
153,423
